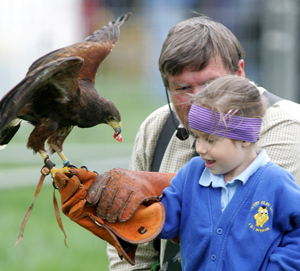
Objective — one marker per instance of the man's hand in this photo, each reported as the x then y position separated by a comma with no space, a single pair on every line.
118,193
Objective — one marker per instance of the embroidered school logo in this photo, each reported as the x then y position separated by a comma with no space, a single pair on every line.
261,217
261,210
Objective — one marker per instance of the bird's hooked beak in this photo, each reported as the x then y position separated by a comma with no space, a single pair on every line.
118,130
117,126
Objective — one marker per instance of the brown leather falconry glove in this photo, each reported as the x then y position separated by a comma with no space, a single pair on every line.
118,193
86,195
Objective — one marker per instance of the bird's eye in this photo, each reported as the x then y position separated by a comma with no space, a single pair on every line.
111,118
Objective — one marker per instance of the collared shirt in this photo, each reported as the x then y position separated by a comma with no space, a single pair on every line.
258,230
228,189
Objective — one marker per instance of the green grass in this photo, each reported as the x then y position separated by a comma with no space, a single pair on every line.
42,247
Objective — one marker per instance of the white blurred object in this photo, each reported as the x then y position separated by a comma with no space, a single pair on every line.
29,29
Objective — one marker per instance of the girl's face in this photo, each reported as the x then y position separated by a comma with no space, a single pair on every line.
223,156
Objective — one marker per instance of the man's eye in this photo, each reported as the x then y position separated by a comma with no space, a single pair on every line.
182,88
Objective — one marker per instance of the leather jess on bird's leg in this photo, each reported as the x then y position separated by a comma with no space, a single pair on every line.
120,206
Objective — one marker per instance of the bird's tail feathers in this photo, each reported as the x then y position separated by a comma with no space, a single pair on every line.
9,132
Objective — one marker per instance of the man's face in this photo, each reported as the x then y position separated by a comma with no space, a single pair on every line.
191,82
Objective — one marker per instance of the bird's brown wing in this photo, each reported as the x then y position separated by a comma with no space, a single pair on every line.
61,74
93,49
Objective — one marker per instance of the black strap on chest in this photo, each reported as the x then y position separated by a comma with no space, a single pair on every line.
163,141
172,250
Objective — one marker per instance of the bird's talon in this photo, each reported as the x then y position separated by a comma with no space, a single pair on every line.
68,164
63,170
85,168
54,185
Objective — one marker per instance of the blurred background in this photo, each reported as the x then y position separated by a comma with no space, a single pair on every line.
268,31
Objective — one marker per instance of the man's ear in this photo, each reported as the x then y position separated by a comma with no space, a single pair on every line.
246,144
241,70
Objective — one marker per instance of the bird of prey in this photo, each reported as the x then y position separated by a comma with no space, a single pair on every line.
58,93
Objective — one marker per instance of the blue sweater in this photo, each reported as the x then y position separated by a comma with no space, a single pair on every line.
258,230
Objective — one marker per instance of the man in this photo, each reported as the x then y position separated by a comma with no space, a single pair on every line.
196,51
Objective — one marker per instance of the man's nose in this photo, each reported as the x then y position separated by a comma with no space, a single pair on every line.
196,89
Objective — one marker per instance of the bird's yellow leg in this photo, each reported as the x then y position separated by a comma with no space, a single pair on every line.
54,170
66,162
43,154
61,154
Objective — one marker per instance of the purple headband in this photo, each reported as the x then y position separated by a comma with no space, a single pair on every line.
224,125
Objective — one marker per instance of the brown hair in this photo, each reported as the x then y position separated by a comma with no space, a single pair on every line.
193,43
232,92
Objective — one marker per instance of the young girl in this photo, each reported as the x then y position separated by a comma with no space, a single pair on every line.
231,207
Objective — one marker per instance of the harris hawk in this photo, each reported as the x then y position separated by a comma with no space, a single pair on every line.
58,93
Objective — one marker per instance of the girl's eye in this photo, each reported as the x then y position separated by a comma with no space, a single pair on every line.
209,140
